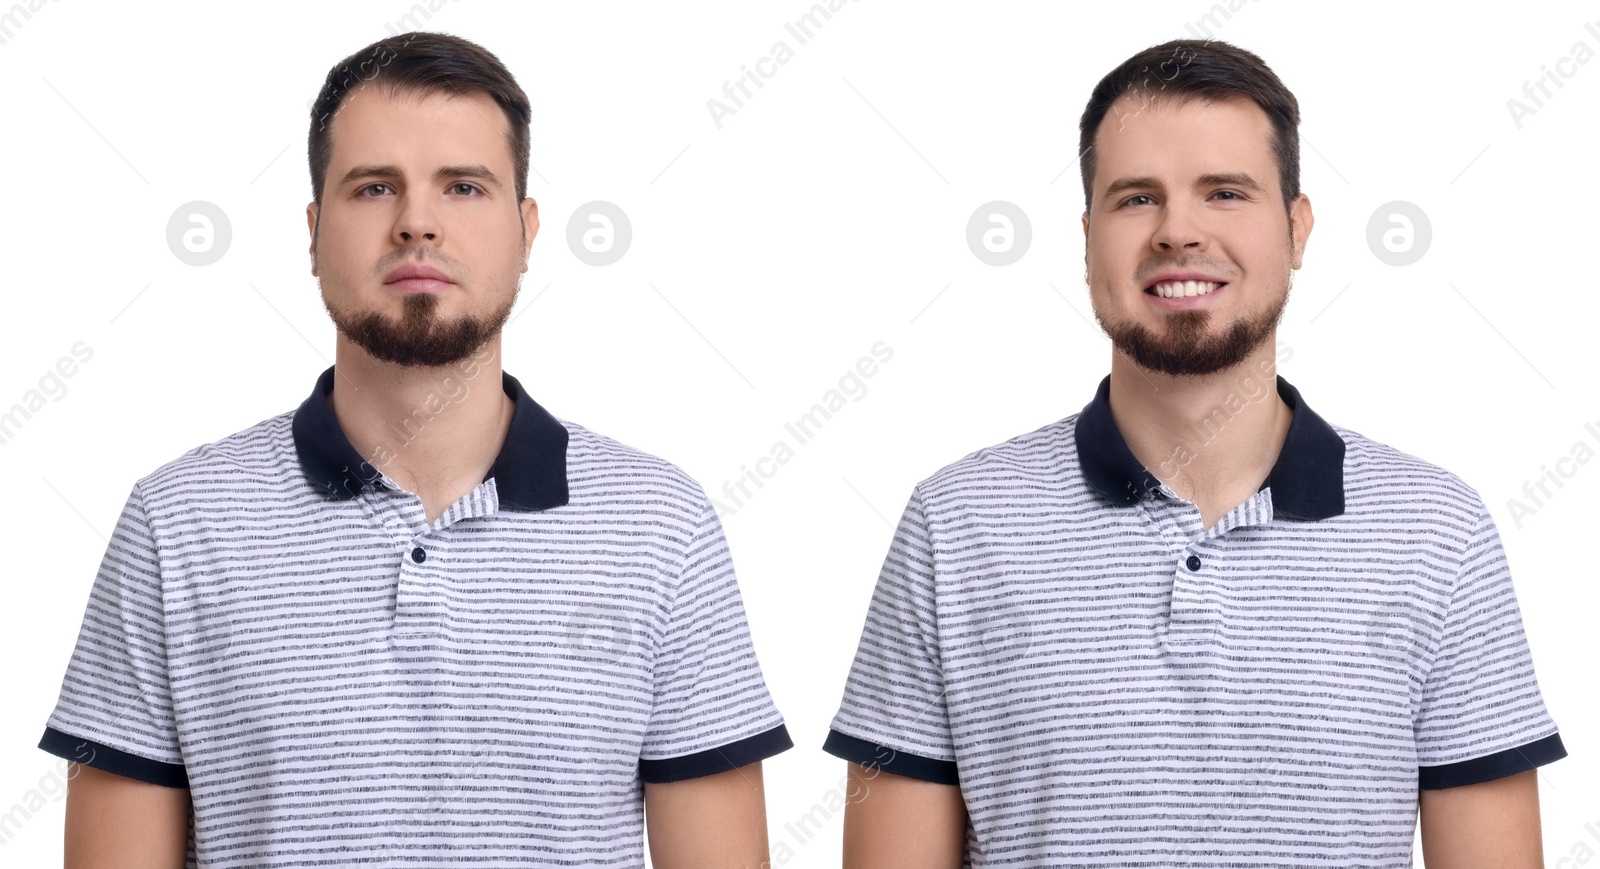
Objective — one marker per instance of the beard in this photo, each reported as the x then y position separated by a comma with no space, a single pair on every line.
418,337
1187,348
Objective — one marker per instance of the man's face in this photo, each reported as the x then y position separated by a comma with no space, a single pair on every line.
420,182
1189,192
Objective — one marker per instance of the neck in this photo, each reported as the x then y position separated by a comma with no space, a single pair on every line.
1212,438
434,430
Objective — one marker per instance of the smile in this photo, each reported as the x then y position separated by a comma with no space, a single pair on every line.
1180,289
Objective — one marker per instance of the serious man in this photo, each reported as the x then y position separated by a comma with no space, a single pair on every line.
418,620
1193,624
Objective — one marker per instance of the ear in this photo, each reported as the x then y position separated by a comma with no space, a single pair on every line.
530,228
311,227
1300,222
1086,246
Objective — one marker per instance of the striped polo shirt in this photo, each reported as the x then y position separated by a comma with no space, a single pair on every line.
1112,684
338,681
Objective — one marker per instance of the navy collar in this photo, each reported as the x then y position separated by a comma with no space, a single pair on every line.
1307,480
530,472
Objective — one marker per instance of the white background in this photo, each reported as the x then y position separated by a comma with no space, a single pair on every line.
772,253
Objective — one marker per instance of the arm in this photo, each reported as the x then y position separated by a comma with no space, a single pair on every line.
1492,825
896,822
711,822
114,822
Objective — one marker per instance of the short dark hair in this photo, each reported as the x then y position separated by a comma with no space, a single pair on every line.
421,64
1209,70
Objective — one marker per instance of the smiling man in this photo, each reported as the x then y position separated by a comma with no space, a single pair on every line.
418,620
1193,624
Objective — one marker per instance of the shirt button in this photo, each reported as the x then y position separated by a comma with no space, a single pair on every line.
1193,563
418,555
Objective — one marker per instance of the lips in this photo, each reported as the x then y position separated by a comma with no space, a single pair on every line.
414,278
1178,284
417,272
1184,289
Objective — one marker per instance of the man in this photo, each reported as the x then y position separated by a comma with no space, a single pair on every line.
418,620
1193,624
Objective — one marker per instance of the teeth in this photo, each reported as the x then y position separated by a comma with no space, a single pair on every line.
1178,289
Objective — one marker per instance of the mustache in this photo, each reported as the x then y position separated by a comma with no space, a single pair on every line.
1148,272
417,256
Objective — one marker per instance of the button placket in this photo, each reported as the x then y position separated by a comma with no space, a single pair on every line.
1171,518
482,500
1191,609
420,598
1197,608
421,602
1255,510
1168,522
380,504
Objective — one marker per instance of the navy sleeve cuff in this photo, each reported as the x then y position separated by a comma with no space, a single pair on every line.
714,760
104,757
882,757
1492,766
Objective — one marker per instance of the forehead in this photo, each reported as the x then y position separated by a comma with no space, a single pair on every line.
376,125
1162,138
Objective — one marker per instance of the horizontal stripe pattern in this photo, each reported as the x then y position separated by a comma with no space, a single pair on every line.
1104,700
343,682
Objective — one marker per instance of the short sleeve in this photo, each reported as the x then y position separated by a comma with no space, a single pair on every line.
115,709
1481,715
893,716
711,711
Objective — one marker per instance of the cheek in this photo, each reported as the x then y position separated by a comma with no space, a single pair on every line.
1109,263
1268,260
339,235
1266,242
362,232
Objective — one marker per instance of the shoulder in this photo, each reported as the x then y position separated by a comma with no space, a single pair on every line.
250,463
1043,456
604,473
1383,480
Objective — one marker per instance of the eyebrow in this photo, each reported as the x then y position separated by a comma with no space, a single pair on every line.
1213,179
476,170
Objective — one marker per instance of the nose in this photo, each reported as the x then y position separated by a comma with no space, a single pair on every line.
1180,229
416,221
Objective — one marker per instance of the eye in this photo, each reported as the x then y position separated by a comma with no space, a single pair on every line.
470,187
1130,199
1234,195
363,191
